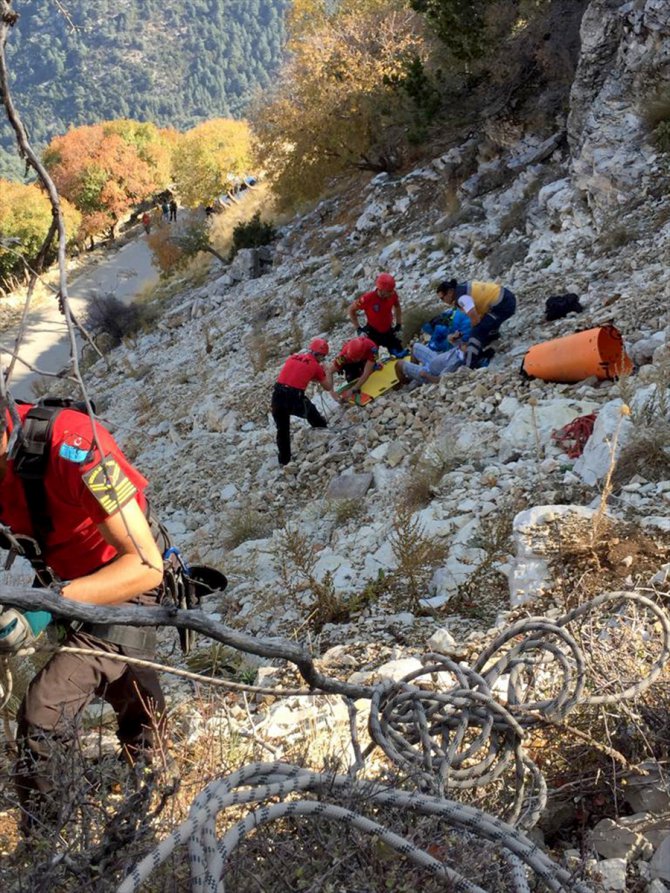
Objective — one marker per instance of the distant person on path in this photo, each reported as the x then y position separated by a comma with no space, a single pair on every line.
288,396
382,309
165,208
356,360
173,210
146,222
487,304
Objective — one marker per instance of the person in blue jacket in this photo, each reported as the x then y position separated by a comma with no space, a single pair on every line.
445,351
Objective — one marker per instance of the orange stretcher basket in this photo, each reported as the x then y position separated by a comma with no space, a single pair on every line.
598,352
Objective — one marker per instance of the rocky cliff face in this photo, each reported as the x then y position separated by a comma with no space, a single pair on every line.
624,63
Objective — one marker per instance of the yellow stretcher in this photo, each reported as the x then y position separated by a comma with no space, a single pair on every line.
382,380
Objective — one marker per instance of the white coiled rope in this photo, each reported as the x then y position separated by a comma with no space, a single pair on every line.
258,782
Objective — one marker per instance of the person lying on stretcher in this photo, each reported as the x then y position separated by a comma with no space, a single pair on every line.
445,351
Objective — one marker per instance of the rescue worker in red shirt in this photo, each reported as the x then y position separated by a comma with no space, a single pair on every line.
383,315
99,544
289,398
356,360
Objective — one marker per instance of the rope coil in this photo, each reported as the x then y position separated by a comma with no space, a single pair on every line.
258,782
453,728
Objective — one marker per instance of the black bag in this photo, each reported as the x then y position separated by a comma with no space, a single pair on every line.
558,306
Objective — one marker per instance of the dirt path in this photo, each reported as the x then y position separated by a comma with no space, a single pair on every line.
123,272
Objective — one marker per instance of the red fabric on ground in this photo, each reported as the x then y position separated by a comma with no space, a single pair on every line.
573,437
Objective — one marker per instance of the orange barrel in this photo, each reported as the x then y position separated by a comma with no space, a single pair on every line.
598,352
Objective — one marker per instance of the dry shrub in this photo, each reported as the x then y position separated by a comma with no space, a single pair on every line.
515,216
616,237
646,454
502,257
416,554
486,591
262,348
296,335
346,510
329,856
647,451
332,315
422,479
657,110
110,815
101,820
589,560
414,317
108,316
296,560
246,524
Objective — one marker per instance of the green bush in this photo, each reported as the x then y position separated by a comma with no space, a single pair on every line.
252,234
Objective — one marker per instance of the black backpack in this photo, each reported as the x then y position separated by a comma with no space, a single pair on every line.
184,586
558,306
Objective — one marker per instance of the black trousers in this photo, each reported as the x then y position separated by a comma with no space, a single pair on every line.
288,401
389,339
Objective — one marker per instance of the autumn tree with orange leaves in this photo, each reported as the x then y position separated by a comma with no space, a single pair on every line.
106,169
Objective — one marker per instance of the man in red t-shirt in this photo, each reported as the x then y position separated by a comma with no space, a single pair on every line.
98,541
356,360
381,308
288,396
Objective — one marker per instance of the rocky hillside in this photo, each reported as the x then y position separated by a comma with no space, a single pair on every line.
432,519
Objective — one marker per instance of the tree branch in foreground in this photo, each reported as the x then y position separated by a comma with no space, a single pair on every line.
29,599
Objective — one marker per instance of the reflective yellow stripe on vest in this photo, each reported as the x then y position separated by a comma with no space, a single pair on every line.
485,295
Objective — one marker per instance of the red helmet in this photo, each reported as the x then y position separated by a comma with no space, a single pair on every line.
319,345
385,282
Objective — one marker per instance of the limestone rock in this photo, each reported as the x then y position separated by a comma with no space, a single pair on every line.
612,874
594,463
648,793
398,669
349,486
530,425
535,540
612,840
660,862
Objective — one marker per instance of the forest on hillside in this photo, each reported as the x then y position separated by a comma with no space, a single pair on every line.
172,62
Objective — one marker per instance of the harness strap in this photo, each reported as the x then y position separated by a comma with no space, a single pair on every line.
139,638
30,465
